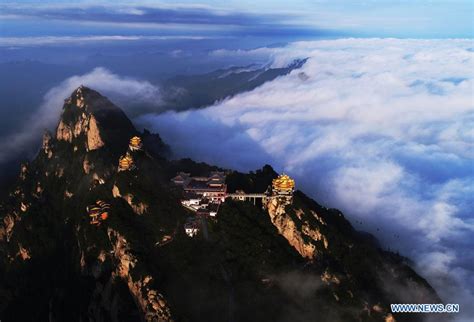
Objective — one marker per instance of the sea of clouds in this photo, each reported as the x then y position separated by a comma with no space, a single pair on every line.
381,128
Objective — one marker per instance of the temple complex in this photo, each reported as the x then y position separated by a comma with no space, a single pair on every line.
203,195
212,187
200,192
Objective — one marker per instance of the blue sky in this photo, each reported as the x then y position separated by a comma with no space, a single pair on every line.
300,18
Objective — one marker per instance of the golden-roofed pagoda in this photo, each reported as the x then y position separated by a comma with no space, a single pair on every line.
125,162
283,188
135,143
284,183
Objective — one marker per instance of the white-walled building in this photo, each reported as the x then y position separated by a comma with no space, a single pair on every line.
192,226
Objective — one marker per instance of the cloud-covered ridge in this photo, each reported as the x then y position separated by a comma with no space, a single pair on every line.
381,128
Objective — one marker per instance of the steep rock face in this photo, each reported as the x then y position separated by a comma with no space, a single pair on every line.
139,208
87,126
94,141
6,229
149,300
64,132
299,232
355,272
358,267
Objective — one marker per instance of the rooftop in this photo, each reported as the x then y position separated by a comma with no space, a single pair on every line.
203,186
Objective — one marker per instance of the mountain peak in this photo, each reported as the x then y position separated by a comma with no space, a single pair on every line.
77,97
83,97
92,121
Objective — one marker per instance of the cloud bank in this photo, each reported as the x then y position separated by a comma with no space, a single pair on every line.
162,18
421,18
380,128
147,13
125,92
77,40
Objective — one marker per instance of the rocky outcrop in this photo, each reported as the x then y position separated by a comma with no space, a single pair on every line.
7,227
138,207
46,146
389,318
87,125
23,206
23,171
94,141
23,253
79,123
298,231
64,132
148,299
80,102
90,121
329,278
86,166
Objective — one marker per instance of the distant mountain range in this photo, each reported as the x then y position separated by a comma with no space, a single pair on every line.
195,91
297,262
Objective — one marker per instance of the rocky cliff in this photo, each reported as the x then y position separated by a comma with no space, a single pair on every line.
46,238
297,262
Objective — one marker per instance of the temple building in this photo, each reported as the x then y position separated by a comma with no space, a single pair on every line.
216,179
98,212
202,195
192,201
181,179
211,187
283,187
135,143
213,209
192,226
125,163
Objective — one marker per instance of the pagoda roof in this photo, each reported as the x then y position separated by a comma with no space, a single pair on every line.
283,182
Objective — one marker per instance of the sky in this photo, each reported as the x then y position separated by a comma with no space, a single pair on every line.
378,122
299,18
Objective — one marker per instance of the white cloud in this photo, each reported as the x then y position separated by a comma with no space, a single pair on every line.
55,40
126,91
381,128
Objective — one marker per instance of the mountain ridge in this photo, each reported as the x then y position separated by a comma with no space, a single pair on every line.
295,262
